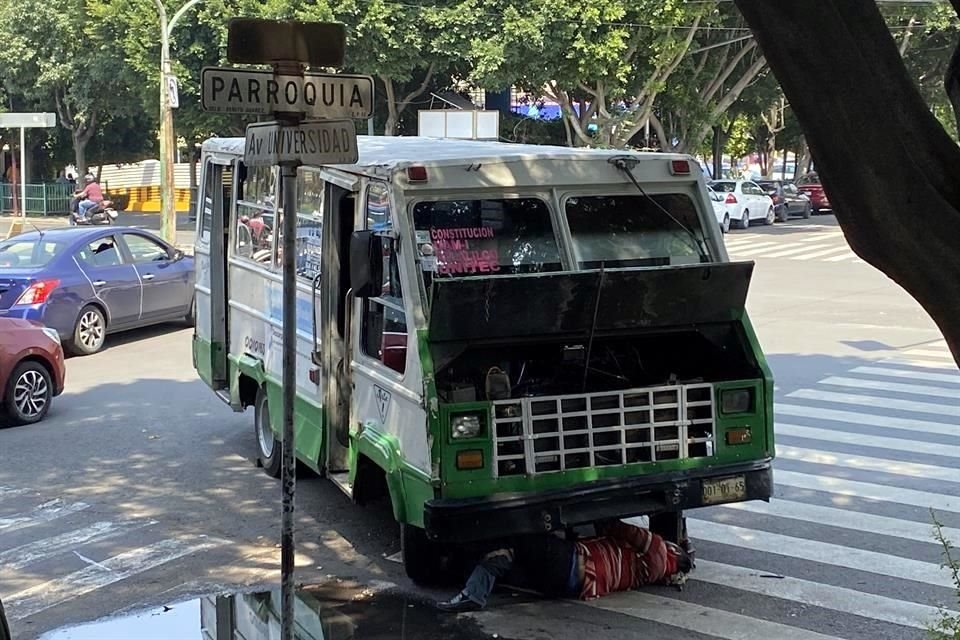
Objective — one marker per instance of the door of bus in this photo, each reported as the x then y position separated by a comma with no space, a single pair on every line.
213,238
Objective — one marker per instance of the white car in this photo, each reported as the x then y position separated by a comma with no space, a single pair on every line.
746,201
720,209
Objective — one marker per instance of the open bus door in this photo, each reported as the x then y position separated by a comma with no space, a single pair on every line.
213,239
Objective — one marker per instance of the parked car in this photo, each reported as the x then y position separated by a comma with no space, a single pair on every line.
31,369
809,185
787,199
90,282
746,200
720,209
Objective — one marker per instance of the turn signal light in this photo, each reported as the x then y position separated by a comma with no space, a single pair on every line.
472,459
38,292
740,435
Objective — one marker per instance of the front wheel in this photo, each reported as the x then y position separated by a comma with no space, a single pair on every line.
268,447
422,559
807,211
784,214
771,216
28,394
89,332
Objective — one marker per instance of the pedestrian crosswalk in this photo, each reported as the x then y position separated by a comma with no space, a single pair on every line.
845,549
821,243
79,549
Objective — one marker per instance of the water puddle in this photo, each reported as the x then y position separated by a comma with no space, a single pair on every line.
321,613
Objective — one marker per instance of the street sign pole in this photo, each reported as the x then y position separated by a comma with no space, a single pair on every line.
23,166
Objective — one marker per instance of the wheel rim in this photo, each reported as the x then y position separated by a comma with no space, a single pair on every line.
91,330
725,225
30,393
746,219
770,215
264,433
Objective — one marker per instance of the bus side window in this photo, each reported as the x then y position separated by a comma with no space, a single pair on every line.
256,213
383,329
310,190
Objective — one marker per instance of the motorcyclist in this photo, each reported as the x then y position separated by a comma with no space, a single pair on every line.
90,197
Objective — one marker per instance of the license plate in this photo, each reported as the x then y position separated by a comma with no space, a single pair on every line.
724,490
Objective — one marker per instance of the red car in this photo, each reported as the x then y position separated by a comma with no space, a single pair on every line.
809,185
31,369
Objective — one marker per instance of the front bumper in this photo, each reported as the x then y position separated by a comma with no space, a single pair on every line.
504,515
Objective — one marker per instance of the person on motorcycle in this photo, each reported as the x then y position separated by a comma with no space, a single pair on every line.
90,197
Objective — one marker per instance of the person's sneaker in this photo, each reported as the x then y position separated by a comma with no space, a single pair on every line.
459,603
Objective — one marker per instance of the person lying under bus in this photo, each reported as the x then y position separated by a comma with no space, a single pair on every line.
620,557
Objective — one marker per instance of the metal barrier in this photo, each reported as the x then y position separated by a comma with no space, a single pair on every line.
42,199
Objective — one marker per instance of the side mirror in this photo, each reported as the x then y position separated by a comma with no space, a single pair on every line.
177,254
366,264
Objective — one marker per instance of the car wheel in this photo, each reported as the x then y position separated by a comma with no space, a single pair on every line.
725,225
90,332
424,561
28,394
268,447
745,220
191,318
784,214
771,216
806,211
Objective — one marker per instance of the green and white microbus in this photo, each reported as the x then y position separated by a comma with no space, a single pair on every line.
503,339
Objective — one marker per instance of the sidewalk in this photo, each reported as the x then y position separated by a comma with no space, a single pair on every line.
149,221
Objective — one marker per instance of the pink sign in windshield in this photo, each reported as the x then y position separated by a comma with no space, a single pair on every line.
465,250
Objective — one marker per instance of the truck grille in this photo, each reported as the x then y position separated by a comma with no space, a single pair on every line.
559,433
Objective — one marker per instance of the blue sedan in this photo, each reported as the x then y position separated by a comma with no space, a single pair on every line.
87,283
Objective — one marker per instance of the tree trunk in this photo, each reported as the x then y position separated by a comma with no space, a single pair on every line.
770,155
717,152
390,127
80,154
803,159
902,215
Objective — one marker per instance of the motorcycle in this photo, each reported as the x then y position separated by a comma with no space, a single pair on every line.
101,214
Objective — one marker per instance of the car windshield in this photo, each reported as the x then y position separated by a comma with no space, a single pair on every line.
632,231
724,186
489,236
28,253
768,186
810,178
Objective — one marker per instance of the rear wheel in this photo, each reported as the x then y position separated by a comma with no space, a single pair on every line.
89,332
745,220
28,394
771,216
268,447
807,211
191,318
725,225
784,214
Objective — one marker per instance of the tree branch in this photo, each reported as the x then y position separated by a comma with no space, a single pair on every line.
725,74
661,134
407,99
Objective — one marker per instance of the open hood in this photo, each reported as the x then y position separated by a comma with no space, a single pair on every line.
563,305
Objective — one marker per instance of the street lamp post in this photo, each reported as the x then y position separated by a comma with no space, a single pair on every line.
168,209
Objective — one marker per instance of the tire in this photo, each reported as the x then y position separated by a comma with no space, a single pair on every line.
422,559
671,526
268,447
191,318
725,225
28,394
807,211
745,220
90,331
784,214
771,216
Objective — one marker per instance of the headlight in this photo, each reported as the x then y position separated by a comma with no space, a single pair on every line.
465,425
52,334
736,400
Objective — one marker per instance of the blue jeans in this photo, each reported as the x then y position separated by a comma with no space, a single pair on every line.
544,563
84,206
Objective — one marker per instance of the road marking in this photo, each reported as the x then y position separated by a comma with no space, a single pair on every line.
822,552
844,519
42,513
120,567
878,401
824,252
715,623
925,364
865,463
853,417
868,491
816,594
21,556
838,258
898,387
753,250
953,378
794,251
867,440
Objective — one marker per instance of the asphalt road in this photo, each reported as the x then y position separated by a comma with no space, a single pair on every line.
140,487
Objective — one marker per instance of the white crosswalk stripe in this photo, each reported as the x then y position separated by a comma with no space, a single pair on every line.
836,483
824,244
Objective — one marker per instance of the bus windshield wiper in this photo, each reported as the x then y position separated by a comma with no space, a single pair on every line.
626,164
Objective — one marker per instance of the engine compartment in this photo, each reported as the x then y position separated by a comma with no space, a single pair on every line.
707,353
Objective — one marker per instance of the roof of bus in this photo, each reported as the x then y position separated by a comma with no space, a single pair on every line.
397,151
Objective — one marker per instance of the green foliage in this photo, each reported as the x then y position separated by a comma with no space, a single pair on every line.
947,626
